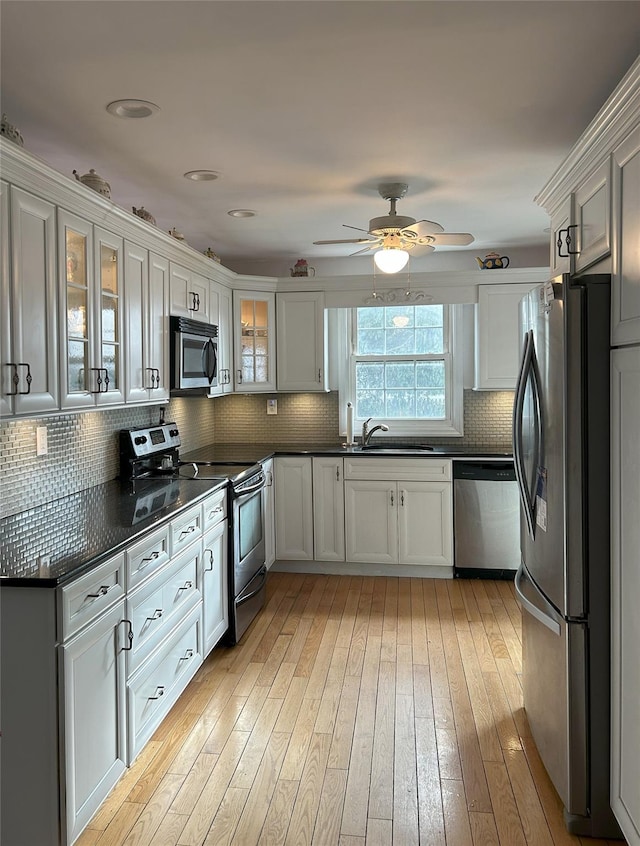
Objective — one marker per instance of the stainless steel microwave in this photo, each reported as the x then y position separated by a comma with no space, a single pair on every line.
194,354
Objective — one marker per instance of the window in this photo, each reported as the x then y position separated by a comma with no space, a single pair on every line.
404,369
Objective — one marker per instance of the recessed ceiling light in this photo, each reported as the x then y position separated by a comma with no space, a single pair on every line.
242,213
201,175
132,108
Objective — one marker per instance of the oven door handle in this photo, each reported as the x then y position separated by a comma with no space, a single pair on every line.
241,599
251,490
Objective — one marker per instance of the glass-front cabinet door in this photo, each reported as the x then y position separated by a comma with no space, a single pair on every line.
254,318
91,371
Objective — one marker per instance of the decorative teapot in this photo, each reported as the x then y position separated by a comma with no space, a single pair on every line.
94,181
493,261
10,132
301,268
144,214
210,254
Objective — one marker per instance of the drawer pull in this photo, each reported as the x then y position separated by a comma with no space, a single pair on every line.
187,655
187,586
129,637
159,692
188,531
103,590
210,568
217,510
156,614
153,557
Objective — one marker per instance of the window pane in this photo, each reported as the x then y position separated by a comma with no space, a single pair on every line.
369,375
431,315
429,341
400,374
398,317
430,403
370,318
369,403
371,341
400,404
430,374
400,341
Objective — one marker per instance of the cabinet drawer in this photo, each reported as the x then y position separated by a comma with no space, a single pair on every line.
397,469
146,557
86,598
153,691
154,608
214,509
186,528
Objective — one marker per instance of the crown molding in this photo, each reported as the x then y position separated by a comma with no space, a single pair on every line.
613,123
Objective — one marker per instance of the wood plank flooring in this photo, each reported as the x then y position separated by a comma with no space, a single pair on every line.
356,711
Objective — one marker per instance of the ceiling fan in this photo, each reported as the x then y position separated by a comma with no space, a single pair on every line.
396,236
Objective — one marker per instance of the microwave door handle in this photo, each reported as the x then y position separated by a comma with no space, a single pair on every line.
518,409
213,357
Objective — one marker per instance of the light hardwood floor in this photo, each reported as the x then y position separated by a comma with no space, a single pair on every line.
355,712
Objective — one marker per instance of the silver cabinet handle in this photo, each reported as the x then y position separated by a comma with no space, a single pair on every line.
159,692
153,557
187,586
100,381
188,531
209,569
402,498
156,614
102,591
319,375
239,372
129,637
392,498
188,654
15,378
337,473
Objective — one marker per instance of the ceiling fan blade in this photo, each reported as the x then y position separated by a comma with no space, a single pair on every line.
421,228
371,246
348,241
453,239
417,250
359,228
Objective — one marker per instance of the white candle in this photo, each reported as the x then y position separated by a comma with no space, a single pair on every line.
349,423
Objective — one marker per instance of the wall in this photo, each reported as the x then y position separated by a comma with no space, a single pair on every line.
83,448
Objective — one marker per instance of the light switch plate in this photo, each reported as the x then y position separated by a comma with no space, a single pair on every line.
272,406
42,447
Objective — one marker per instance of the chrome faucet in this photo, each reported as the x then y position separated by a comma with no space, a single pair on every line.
367,432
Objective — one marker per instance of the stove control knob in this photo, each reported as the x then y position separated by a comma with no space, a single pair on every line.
141,439
173,433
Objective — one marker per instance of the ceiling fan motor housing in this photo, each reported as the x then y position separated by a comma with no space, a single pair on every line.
389,223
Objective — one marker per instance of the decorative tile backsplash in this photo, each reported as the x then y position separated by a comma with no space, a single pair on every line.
83,448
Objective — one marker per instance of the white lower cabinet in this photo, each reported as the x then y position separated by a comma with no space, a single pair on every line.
93,683
215,600
294,508
328,508
625,591
405,517
156,686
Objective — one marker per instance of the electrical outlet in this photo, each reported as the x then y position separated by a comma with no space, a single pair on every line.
272,406
42,447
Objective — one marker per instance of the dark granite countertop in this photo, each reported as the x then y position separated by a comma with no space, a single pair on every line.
247,453
76,532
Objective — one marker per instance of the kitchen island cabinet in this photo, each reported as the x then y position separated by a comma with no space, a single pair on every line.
98,661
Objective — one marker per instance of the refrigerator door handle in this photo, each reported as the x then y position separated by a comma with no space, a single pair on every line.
536,603
518,406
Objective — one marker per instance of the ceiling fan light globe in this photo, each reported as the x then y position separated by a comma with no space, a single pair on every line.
391,260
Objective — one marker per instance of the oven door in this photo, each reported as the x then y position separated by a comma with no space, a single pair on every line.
248,533
196,361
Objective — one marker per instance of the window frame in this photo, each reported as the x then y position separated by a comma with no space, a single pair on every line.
452,425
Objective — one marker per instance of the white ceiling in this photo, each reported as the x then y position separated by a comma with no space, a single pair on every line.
304,106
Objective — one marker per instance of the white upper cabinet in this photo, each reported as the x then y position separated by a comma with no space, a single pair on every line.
592,218
189,294
91,328
625,303
301,341
254,341
29,345
221,314
498,343
146,289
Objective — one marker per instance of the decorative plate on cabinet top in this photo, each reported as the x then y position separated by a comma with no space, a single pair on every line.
94,181
144,214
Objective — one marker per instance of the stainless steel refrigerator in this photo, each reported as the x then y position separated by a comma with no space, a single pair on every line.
561,454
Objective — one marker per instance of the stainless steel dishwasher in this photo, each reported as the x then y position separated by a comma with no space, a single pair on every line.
486,515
